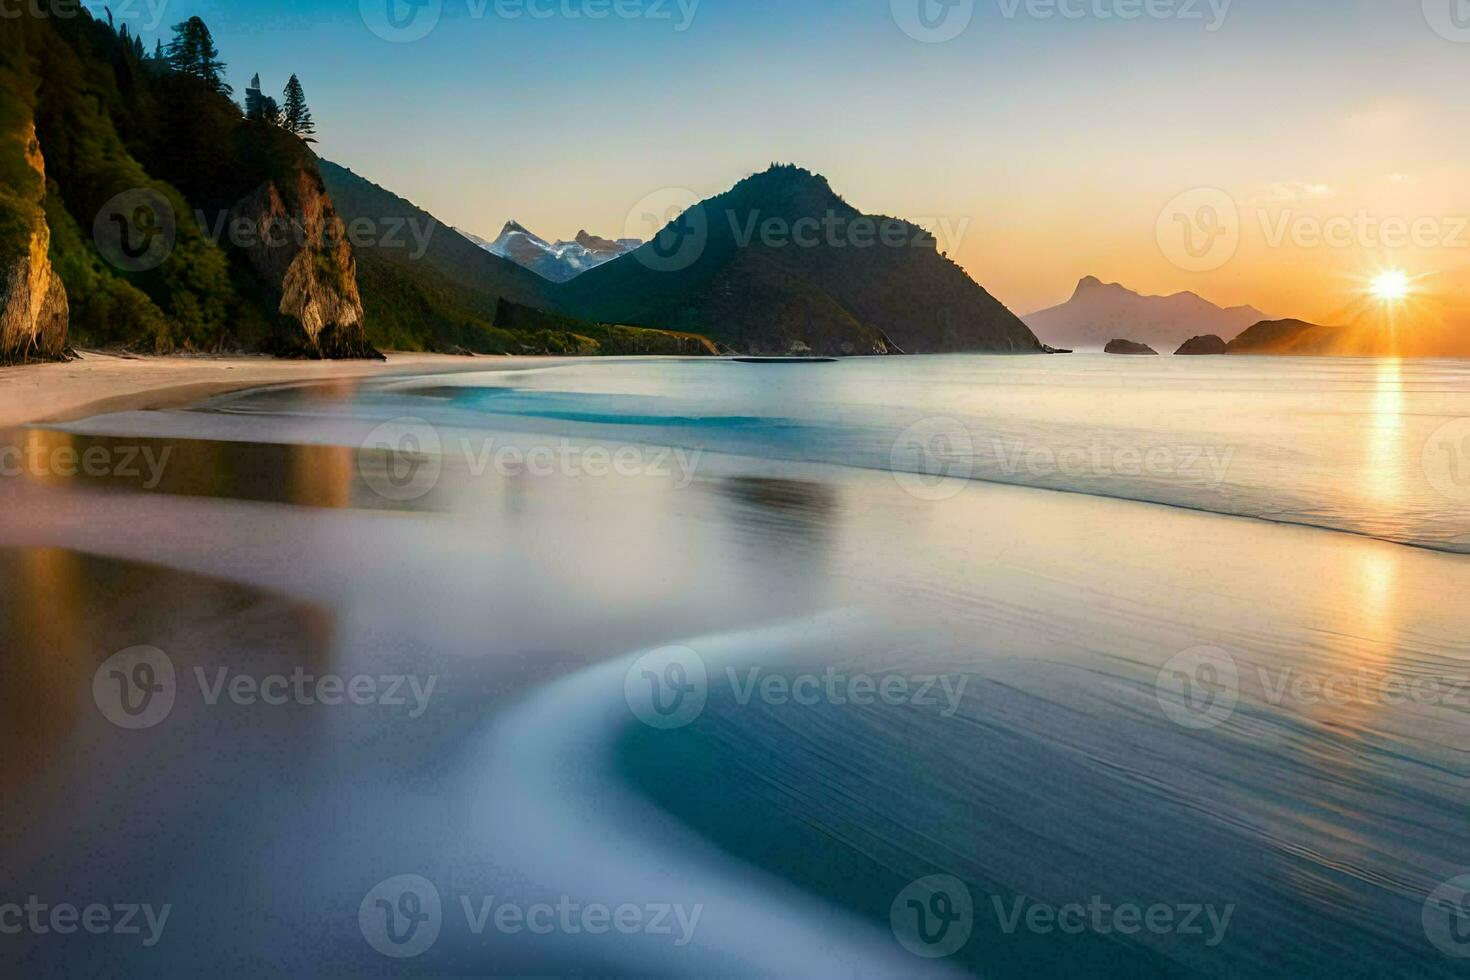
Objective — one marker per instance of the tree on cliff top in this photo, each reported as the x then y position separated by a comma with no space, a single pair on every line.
192,52
296,117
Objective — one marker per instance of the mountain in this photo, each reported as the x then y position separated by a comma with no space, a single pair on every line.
1373,334
780,263
1296,337
1099,311
1128,347
559,261
428,286
140,207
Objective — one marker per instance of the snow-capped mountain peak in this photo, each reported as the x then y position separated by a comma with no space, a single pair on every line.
558,261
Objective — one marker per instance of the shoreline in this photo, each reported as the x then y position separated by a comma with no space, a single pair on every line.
98,383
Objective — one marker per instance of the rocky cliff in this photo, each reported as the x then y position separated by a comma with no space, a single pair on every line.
33,307
298,247
1206,345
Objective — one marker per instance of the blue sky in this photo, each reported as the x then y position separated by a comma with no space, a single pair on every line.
1055,140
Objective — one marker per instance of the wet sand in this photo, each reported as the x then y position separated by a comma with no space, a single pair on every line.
98,382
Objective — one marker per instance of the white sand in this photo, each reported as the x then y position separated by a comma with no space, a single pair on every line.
107,383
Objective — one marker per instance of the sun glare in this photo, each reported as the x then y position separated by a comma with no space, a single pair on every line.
1390,286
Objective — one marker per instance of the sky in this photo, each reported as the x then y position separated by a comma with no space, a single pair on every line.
1262,152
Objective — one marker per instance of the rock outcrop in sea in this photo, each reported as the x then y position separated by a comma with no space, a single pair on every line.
1208,344
1127,347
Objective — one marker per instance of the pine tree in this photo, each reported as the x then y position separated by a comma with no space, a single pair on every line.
192,52
295,116
158,54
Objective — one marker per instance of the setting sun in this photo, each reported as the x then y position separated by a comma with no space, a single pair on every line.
1391,286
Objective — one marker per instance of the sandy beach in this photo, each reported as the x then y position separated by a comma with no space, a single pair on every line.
99,382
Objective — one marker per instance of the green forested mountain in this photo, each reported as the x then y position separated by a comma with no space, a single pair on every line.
141,206
780,262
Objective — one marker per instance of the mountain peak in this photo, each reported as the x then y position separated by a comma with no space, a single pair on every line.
1089,284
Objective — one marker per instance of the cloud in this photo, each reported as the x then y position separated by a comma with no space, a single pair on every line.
1292,192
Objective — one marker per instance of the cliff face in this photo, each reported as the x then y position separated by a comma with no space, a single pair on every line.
33,306
301,253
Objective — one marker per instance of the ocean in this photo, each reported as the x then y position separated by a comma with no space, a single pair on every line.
999,666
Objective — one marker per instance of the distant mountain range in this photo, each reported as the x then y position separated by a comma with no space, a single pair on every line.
1099,312
557,261
781,264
